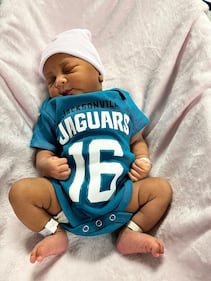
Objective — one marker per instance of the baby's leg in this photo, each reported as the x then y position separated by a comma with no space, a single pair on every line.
34,201
150,200
51,245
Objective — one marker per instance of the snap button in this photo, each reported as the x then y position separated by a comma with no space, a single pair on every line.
112,217
85,228
99,223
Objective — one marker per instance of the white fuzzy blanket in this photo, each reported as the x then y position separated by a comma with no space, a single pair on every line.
160,51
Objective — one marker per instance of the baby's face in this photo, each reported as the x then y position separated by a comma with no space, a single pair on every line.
68,75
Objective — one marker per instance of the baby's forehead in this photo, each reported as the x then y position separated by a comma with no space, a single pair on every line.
61,60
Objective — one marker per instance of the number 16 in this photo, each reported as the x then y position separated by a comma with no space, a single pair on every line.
96,169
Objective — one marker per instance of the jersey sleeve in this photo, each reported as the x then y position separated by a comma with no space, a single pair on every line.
138,119
44,136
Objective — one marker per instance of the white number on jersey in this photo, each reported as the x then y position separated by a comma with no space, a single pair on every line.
96,169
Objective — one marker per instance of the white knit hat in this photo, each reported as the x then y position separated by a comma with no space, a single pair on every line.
75,42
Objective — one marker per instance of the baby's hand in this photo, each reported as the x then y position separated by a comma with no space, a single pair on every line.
55,167
139,169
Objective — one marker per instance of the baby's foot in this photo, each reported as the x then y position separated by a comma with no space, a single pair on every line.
132,242
51,245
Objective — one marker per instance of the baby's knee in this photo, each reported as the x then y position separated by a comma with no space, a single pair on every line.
165,190
16,191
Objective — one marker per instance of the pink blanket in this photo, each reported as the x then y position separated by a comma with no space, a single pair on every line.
160,51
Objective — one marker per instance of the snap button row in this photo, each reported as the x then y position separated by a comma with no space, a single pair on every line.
99,223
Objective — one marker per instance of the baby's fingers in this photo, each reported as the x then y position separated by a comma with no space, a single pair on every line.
133,176
61,161
63,172
64,175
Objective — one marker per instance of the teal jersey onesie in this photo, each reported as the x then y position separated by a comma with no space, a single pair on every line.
93,131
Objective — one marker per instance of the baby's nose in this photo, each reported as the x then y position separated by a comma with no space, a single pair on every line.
60,81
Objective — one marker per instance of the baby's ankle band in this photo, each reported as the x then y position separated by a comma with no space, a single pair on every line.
50,228
133,226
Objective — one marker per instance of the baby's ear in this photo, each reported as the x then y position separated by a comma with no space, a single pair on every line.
100,78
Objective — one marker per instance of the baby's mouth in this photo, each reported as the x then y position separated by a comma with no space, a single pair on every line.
67,92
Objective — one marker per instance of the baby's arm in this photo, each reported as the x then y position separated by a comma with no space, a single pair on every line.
141,166
50,165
